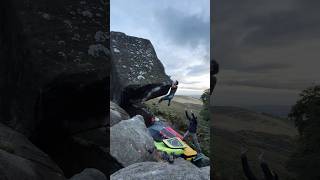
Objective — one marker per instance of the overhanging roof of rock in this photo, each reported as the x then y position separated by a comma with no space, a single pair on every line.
136,61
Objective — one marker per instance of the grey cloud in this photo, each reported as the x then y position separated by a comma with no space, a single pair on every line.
265,67
261,48
242,96
270,84
247,32
198,70
281,28
182,28
190,82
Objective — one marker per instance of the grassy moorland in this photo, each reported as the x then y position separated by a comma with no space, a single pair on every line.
233,128
175,115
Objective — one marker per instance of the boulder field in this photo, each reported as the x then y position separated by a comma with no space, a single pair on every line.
57,59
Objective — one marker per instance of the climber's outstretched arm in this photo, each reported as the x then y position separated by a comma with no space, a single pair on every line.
246,168
266,171
187,115
268,175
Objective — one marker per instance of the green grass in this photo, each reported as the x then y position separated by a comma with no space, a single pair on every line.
233,128
175,115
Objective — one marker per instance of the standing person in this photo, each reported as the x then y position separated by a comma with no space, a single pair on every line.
173,90
192,131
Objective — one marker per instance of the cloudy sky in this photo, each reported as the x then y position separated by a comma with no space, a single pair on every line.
179,31
268,50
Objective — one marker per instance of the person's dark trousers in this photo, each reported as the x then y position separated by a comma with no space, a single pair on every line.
194,140
167,98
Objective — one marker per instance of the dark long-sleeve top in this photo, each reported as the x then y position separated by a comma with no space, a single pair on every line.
173,90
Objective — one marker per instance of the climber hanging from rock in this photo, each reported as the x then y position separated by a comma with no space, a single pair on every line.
192,131
173,90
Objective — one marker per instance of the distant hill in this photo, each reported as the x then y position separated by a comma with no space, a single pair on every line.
175,115
281,111
236,119
234,127
187,99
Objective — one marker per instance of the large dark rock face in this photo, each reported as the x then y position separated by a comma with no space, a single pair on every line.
137,74
88,149
54,77
54,55
20,159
